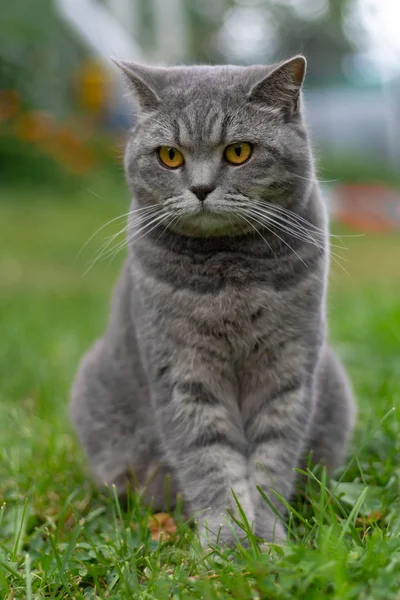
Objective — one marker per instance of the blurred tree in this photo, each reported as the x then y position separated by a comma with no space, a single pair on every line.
315,27
318,31
38,54
204,21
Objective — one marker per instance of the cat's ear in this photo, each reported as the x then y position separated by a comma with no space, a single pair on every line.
141,81
281,88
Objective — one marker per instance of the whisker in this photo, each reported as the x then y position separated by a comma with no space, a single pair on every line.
335,258
313,179
296,221
174,221
146,208
257,231
152,224
309,239
298,217
98,231
106,248
286,219
268,207
263,224
94,193
103,250
298,233
163,218
105,253
296,229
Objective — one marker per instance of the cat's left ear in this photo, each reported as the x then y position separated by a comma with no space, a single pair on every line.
281,88
143,82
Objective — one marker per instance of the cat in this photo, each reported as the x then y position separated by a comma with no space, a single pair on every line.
215,369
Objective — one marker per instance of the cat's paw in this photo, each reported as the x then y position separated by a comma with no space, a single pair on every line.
219,531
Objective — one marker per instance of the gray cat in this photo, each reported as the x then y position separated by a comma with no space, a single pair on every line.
214,368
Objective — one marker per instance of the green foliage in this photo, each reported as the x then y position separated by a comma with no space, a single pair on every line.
38,54
60,538
24,164
352,169
320,34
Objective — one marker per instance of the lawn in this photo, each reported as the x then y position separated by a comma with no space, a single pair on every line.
60,538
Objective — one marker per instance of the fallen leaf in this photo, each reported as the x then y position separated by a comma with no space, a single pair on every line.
161,525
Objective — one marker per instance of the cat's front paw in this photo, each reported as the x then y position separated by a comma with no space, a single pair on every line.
219,530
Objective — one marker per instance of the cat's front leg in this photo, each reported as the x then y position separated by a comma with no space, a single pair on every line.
202,434
276,432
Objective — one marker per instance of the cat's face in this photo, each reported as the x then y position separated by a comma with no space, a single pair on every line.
213,145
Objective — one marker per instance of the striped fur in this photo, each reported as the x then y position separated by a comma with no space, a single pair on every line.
214,367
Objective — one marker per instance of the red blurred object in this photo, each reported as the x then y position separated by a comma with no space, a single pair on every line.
9,104
34,126
368,207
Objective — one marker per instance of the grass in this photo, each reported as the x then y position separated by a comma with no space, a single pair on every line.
60,538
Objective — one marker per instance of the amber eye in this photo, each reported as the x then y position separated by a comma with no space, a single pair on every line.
171,157
238,153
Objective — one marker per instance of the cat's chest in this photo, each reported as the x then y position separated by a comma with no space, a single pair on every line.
234,308
235,317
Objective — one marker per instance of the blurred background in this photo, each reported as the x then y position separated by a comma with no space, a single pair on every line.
63,112
63,119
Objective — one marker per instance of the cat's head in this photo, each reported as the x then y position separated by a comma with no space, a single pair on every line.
213,145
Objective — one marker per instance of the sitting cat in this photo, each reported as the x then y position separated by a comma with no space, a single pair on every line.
215,367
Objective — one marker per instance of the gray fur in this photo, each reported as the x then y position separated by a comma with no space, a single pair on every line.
215,367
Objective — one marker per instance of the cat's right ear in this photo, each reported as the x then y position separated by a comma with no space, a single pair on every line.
281,87
139,80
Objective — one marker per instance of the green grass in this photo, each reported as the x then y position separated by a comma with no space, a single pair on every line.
60,538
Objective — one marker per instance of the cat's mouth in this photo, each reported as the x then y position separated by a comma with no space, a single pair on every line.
210,223
211,217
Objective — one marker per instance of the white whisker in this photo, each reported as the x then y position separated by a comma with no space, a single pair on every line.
307,223
173,221
104,249
109,241
256,230
308,239
266,210
153,223
142,210
290,214
313,179
298,233
263,224
293,228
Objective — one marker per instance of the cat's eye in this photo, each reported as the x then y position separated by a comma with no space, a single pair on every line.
170,157
238,153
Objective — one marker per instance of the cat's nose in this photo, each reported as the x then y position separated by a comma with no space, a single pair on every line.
202,191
